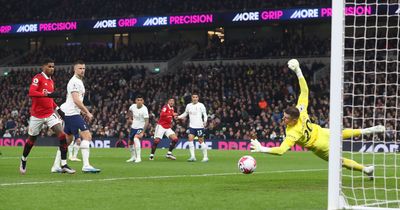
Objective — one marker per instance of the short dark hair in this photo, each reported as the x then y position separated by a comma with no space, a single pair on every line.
79,62
195,93
46,61
139,96
293,112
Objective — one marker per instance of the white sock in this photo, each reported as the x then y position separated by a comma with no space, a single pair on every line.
138,147
57,160
85,150
70,150
204,150
132,150
76,150
191,149
63,162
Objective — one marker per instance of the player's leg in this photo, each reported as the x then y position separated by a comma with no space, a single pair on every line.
70,149
81,126
85,150
34,128
63,148
349,133
321,149
353,165
138,146
203,148
131,146
174,140
76,147
158,134
191,148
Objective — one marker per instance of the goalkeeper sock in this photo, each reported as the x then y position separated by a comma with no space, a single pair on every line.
204,150
191,149
85,150
349,133
352,165
137,148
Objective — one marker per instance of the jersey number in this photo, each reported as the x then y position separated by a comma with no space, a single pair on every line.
308,130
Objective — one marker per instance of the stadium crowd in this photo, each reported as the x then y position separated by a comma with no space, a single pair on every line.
136,52
241,99
286,46
19,11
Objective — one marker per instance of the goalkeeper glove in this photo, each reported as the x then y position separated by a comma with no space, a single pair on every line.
54,95
294,65
257,147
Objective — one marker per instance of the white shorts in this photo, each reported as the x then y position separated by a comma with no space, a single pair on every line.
36,124
160,132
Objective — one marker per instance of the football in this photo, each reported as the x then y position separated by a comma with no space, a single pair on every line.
247,164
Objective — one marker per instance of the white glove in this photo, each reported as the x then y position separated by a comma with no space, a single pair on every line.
294,65
255,146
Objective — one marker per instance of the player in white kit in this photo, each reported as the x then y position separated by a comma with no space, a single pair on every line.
197,122
74,123
139,116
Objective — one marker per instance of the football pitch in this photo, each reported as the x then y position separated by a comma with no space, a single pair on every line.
297,180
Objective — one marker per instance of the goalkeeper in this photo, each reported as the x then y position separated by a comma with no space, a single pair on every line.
300,130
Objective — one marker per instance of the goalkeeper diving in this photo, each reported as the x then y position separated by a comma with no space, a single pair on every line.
300,130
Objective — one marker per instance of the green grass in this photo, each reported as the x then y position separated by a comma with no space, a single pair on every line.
164,184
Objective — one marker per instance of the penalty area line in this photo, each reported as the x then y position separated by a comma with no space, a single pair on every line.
152,177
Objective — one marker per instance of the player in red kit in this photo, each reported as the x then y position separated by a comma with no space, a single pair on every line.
41,91
163,127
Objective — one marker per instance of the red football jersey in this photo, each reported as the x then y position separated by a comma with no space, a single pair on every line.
42,106
166,115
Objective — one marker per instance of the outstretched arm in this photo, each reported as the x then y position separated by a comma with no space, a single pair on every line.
285,146
302,103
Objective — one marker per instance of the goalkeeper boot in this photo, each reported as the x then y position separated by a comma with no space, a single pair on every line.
369,171
375,129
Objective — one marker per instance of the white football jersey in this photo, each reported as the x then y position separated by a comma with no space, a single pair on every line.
139,116
196,114
69,107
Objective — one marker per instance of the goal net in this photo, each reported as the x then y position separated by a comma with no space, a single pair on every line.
370,96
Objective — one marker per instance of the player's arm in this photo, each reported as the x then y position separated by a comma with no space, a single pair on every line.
284,147
79,104
204,114
130,117
302,102
33,89
184,114
146,124
146,120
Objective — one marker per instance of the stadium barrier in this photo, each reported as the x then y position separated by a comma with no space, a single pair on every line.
217,144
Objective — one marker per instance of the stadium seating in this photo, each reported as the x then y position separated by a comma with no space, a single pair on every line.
230,92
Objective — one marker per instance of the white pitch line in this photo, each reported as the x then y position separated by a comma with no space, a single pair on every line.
153,177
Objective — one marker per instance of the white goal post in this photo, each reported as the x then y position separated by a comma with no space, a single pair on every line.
365,92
